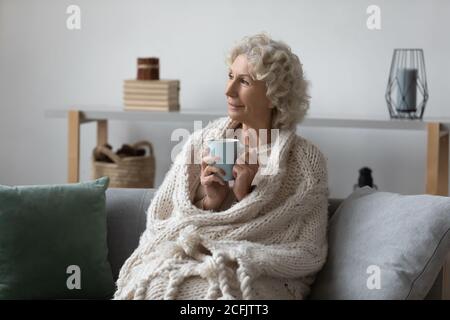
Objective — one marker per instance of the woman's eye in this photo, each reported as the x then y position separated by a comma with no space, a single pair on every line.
230,76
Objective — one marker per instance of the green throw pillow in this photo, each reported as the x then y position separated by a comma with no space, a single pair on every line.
53,242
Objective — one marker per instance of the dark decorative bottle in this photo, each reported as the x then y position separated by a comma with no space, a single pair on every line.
365,179
148,68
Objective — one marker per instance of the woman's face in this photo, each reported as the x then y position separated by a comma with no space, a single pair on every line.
247,100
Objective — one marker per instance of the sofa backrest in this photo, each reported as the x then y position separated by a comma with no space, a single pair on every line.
126,220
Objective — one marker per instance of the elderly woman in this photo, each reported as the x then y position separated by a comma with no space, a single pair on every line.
260,236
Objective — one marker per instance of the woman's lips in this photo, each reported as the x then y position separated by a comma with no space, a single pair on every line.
233,107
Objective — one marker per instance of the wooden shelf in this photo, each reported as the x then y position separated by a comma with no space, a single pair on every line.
88,115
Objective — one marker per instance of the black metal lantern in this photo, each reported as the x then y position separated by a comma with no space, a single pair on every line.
407,90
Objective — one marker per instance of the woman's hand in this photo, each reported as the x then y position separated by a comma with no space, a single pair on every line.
215,187
244,171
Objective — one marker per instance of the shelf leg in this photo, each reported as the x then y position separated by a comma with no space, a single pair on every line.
102,132
437,182
74,121
437,160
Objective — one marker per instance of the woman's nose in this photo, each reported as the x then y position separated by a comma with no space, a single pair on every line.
230,89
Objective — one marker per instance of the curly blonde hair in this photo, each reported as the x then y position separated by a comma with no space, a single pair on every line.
274,63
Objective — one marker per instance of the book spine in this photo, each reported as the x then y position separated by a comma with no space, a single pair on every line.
154,108
150,84
139,97
147,97
150,103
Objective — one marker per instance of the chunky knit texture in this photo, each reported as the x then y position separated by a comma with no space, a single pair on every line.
269,245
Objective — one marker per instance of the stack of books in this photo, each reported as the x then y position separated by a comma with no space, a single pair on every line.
158,95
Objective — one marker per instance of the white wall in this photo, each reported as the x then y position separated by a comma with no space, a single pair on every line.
43,65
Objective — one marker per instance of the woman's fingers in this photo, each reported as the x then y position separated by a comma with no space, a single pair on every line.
212,174
209,180
211,170
239,169
205,157
236,170
209,160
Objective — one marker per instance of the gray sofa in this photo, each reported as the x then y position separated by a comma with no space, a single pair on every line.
126,220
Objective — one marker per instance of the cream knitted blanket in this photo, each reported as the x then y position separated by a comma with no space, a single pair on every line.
269,245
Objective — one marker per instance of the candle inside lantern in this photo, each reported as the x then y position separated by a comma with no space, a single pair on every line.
407,90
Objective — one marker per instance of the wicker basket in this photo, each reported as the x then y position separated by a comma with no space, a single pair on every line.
126,172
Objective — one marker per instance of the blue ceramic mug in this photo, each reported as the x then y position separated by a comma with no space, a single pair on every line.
227,150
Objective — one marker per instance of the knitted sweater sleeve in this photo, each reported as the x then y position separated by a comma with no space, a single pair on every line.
305,253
